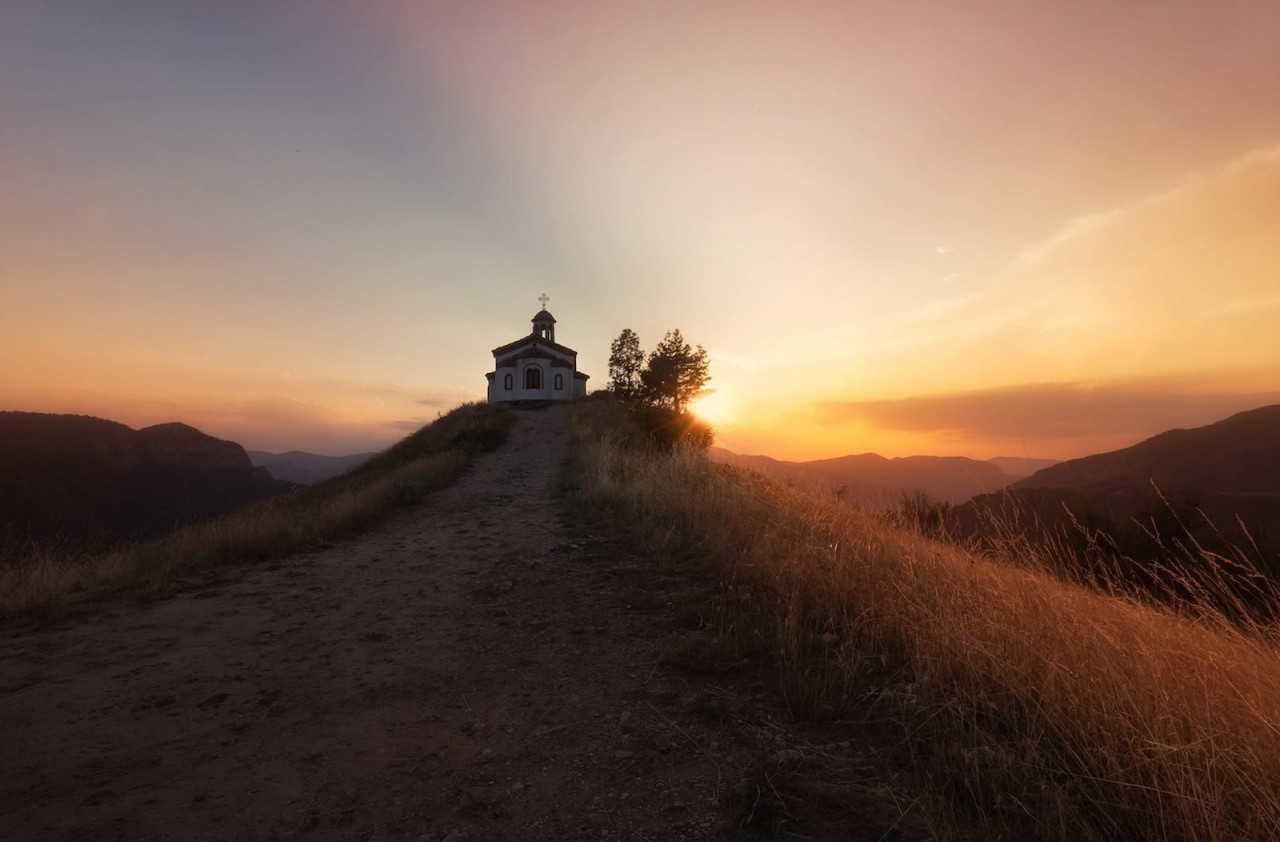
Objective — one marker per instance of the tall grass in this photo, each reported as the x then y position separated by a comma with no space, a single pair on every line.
1038,708
1196,568
304,518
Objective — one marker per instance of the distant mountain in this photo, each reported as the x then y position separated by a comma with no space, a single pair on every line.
1215,481
306,468
875,480
1239,455
1018,467
82,481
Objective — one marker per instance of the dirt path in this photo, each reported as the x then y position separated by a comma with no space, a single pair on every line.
475,668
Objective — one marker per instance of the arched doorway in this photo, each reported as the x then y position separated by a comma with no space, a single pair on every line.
533,377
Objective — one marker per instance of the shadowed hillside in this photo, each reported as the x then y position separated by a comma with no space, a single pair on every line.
1238,455
44,577
82,481
1189,515
1217,485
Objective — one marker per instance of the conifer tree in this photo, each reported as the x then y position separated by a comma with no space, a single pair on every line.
676,373
626,359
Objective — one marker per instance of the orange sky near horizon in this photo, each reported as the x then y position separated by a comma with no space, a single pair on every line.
959,229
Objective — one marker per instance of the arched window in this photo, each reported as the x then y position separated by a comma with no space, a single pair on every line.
559,382
506,382
533,377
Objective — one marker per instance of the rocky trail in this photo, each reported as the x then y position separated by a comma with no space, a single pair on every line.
477,667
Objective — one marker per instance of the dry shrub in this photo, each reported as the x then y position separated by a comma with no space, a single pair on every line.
1039,708
305,518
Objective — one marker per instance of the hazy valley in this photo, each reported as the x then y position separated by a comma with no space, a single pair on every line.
306,468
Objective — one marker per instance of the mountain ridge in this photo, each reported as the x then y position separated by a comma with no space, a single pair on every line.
880,480
1238,455
1218,484
81,480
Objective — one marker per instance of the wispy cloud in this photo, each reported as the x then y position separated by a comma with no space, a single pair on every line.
1088,224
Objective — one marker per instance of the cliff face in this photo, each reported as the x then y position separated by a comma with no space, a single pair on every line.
77,481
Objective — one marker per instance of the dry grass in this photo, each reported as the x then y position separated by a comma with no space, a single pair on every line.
1038,708
308,517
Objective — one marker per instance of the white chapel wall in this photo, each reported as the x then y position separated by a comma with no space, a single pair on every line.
571,386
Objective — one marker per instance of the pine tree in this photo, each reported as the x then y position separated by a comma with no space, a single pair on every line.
625,362
676,373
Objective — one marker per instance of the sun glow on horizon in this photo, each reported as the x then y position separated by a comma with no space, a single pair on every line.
715,408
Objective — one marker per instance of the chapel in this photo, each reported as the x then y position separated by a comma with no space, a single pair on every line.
536,367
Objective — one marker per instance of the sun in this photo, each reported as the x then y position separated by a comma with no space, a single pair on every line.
715,408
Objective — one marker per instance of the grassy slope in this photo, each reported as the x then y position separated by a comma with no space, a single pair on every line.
1037,708
426,460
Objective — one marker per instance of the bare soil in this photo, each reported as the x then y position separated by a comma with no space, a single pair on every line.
480,666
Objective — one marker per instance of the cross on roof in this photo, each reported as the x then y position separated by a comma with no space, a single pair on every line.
544,299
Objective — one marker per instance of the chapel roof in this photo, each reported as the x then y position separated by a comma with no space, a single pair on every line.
535,340
543,316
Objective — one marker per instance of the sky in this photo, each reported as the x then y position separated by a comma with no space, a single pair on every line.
1018,229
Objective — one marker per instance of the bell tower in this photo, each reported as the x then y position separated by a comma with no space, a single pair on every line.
544,324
